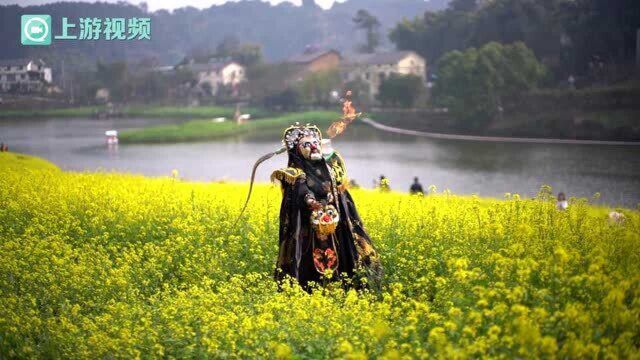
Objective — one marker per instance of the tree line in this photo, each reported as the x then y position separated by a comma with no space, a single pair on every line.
485,54
568,36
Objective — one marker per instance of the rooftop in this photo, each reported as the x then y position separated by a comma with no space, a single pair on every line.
17,62
211,64
391,57
309,55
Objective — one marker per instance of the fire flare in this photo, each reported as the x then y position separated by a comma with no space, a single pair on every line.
349,114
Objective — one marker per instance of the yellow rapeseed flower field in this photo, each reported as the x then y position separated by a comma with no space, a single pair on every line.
102,265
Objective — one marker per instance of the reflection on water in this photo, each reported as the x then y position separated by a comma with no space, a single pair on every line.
489,169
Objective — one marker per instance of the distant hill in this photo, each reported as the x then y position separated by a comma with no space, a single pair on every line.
282,30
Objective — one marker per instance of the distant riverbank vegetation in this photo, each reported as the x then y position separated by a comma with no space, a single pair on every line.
198,130
597,113
501,64
152,111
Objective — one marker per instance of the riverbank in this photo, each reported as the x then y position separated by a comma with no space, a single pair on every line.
198,130
494,139
613,125
21,162
152,111
96,265
601,113
607,114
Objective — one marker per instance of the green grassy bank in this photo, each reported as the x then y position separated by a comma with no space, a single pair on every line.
83,111
198,130
200,112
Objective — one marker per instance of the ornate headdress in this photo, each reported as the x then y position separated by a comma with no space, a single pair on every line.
294,133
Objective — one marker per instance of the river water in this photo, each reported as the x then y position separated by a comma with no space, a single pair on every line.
464,167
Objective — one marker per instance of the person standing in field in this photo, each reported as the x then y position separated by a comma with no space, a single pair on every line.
384,184
416,187
562,203
322,237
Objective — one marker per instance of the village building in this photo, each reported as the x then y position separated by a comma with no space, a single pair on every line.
373,69
24,75
217,73
165,69
315,60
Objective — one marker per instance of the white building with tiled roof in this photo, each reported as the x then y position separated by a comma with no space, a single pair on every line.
24,75
373,69
218,72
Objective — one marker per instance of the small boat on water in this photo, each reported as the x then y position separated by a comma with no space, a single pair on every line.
111,137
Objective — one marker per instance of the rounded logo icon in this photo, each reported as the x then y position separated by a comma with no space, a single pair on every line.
36,29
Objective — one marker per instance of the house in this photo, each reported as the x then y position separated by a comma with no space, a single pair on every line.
165,69
24,75
373,69
216,73
315,60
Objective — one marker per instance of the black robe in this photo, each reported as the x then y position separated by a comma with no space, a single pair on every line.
357,258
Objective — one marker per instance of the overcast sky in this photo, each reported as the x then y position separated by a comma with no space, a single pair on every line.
169,4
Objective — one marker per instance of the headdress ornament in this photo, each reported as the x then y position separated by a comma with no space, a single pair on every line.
294,133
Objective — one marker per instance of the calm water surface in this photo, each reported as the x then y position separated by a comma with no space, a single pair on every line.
488,169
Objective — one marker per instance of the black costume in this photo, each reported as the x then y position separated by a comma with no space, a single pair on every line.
322,237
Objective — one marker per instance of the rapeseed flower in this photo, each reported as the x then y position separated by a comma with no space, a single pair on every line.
104,265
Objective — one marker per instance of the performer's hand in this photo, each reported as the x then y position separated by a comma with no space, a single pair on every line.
312,202
315,205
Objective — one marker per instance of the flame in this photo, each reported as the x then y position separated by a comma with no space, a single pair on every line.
349,114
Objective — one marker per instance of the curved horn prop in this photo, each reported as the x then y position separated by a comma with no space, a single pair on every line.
253,176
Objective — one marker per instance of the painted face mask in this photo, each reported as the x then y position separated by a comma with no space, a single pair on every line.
310,148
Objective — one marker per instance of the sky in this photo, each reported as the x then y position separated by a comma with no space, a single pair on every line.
168,4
